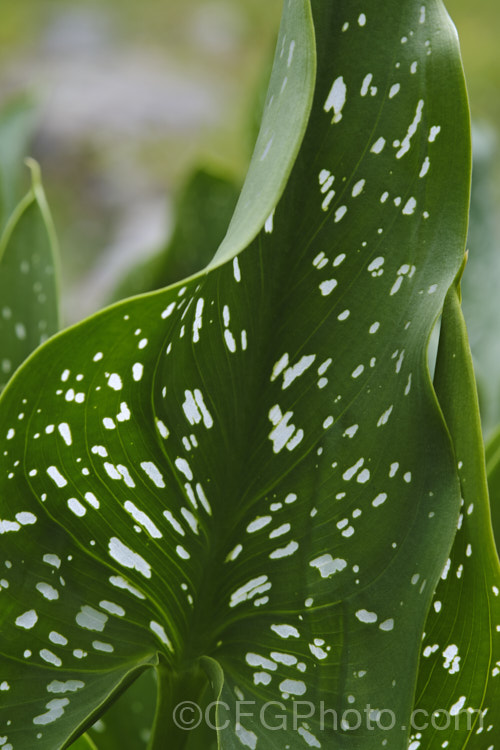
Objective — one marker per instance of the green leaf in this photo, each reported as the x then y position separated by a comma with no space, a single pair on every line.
461,650
191,479
284,122
84,743
492,457
203,211
28,279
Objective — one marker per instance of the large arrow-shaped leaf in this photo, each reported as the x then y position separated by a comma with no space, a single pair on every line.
236,479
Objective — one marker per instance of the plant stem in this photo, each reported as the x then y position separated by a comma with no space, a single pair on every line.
178,709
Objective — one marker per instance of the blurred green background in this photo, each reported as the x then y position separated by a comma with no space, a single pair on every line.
131,96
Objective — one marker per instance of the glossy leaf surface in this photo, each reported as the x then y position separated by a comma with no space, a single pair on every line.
195,482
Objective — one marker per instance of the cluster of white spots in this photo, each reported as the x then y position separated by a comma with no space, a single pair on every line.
115,382
409,207
320,261
404,271
279,366
129,559
351,431
228,336
446,570
124,414
153,472
55,709
451,659
406,142
70,686
251,589
198,320
143,520
47,591
50,657
287,551
23,518
326,180
366,84
317,650
120,583
283,434
91,619
291,373
195,409
352,471
292,687
336,99
27,620
327,565
327,287
434,132
375,267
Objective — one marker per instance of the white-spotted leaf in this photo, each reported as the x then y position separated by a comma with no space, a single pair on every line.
239,479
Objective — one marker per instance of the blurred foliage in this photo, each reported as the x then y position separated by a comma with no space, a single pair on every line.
17,124
480,281
203,212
